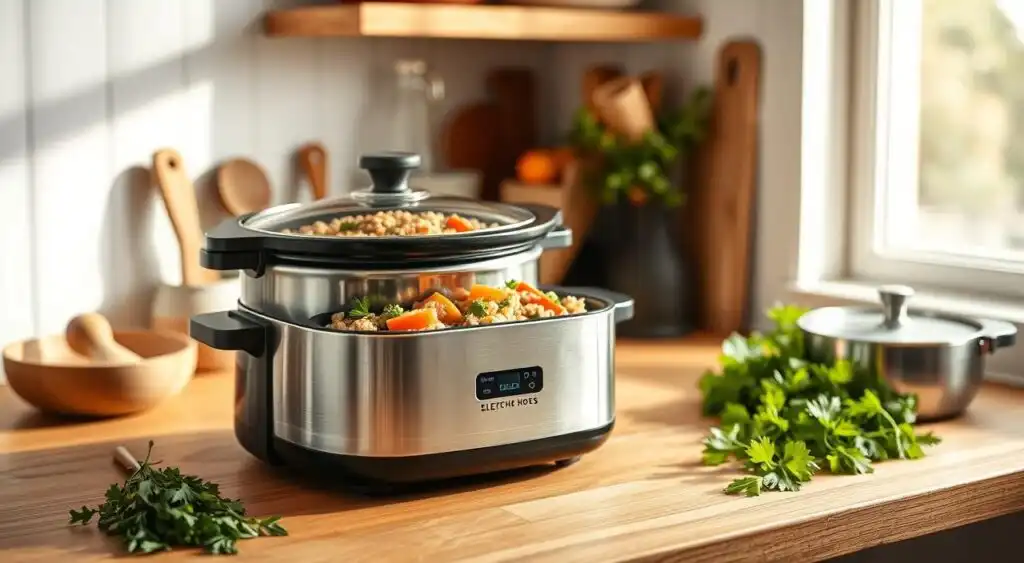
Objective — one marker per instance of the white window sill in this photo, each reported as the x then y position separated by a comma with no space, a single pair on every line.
1005,366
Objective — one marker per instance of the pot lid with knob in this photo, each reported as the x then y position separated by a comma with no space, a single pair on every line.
894,323
330,232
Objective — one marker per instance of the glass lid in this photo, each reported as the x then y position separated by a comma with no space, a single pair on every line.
389,208
892,323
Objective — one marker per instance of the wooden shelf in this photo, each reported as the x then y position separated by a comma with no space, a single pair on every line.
459,21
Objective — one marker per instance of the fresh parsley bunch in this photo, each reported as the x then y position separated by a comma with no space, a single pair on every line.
786,418
157,509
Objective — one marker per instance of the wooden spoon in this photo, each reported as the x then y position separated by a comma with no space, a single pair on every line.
180,200
243,186
90,335
313,159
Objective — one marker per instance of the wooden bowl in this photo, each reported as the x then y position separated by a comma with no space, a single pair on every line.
49,375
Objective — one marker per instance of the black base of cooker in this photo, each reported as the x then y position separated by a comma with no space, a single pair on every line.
387,474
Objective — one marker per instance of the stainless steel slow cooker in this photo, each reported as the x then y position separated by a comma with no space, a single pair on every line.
393,407
938,357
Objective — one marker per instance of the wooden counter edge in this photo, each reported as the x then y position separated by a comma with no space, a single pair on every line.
856,528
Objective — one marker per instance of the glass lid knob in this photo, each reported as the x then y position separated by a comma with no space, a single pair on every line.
389,171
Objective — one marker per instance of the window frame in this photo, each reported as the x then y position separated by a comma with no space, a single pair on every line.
885,129
828,264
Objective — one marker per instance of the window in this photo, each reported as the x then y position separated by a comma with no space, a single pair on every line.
937,140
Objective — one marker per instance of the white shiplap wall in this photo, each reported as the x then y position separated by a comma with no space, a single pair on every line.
90,88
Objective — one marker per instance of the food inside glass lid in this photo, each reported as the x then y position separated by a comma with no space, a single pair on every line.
442,308
393,223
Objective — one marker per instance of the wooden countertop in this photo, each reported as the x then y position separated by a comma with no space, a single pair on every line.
642,496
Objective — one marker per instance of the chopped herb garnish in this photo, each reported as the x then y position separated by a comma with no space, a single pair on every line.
348,225
785,418
505,302
360,308
393,310
478,308
157,509
512,284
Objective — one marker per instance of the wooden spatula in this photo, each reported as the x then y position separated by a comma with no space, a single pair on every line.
180,200
313,160
243,186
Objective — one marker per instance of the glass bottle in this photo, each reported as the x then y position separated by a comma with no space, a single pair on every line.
417,91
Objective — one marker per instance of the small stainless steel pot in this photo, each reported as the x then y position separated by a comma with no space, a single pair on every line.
938,357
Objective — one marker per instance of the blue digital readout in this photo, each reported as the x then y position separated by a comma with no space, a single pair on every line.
510,382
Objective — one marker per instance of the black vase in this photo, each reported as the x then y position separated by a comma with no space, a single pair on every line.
643,259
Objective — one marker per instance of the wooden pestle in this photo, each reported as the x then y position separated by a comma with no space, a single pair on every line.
90,335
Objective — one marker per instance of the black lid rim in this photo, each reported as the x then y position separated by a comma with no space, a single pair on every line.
229,241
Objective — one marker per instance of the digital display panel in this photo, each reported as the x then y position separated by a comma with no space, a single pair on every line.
509,382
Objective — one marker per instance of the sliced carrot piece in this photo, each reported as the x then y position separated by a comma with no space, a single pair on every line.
486,292
459,224
542,298
451,313
417,319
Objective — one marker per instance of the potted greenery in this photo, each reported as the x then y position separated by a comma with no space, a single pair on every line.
632,157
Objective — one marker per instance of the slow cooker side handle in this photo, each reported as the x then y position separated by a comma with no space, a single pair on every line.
622,303
229,330
559,237
236,330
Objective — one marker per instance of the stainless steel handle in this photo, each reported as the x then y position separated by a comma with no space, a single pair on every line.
622,303
894,304
998,334
559,237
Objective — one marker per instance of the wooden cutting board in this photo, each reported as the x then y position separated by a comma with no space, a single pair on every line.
468,141
723,208
513,91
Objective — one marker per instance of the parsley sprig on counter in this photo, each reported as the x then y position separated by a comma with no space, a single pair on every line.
785,418
157,509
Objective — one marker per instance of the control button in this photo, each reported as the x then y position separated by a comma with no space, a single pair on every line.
532,385
529,375
485,391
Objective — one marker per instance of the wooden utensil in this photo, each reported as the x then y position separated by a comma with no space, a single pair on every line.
243,186
727,192
469,143
126,460
593,78
52,377
180,200
654,88
514,93
313,160
90,334
622,105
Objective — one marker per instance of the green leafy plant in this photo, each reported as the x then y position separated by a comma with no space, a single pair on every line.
641,170
157,509
785,418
